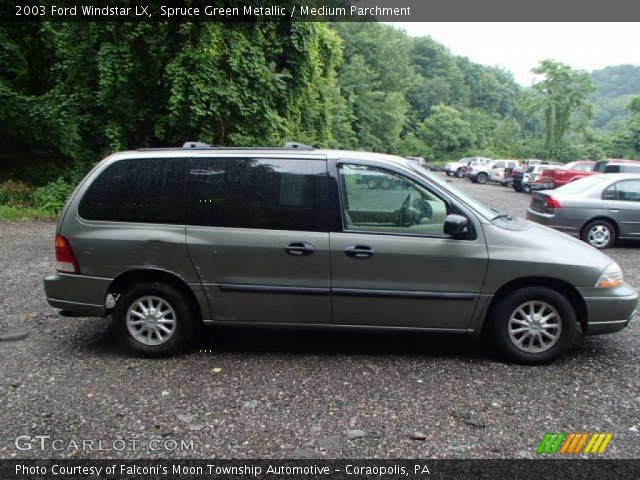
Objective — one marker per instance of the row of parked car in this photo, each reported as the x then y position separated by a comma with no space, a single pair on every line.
534,174
596,201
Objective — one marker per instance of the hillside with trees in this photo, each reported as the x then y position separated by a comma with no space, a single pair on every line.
71,93
615,87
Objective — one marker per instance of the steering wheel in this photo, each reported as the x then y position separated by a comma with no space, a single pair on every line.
407,215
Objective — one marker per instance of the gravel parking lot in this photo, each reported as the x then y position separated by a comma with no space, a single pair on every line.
245,393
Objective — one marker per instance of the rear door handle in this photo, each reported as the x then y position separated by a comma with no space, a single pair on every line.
299,249
359,251
614,210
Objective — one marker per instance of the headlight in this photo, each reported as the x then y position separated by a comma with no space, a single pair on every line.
611,277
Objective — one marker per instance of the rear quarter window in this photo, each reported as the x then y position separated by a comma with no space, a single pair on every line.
138,190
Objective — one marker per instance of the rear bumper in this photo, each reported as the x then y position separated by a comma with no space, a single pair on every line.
609,310
542,186
556,221
79,294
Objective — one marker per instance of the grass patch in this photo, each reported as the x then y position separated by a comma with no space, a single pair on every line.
24,213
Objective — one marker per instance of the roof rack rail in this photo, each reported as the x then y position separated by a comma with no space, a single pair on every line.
195,145
206,146
298,146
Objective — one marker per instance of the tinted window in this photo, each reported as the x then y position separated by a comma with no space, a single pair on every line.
258,193
612,169
138,190
376,200
599,166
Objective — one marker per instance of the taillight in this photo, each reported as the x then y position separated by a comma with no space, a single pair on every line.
551,202
65,261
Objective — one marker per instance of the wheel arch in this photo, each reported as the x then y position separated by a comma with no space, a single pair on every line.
601,217
564,288
132,277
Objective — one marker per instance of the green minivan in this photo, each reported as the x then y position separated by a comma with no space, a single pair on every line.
163,240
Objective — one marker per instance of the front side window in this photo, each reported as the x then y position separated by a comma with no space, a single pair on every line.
377,200
138,190
276,194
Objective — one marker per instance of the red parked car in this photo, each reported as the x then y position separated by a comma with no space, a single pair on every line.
567,173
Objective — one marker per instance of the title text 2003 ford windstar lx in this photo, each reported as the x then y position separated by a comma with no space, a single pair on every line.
166,239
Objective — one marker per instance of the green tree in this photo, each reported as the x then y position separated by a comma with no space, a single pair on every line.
447,132
374,80
634,123
562,96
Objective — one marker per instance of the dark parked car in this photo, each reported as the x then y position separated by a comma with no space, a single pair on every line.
599,209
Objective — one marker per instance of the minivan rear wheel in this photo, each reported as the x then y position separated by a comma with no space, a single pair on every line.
154,319
532,325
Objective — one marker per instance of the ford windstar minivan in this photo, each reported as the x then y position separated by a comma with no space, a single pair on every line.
163,240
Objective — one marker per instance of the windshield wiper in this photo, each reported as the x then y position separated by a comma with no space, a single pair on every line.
502,215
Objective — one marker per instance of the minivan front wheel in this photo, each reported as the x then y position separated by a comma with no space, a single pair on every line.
154,319
533,325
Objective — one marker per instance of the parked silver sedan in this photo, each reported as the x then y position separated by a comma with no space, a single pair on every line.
599,209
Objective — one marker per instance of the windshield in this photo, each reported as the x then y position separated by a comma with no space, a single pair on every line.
580,185
569,166
479,207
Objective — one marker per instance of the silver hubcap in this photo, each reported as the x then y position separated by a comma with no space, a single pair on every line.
599,235
535,326
151,320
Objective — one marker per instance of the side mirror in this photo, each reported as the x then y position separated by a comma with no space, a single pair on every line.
454,224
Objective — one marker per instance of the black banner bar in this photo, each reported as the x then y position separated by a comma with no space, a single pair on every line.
214,469
318,10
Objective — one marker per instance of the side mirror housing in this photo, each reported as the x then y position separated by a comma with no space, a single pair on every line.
455,225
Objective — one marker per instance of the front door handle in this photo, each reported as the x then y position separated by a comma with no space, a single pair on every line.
300,249
614,210
359,251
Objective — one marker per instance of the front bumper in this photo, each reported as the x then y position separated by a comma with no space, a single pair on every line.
80,294
609,309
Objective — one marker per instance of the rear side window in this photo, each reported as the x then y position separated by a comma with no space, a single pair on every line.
612,169
600,166
629,190
277,194
630,168
138,190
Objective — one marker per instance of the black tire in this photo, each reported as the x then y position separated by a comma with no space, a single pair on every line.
448,173
482,178
459,173
500,318
184,329
599,233
517,187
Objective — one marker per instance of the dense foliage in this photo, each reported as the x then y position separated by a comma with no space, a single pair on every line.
70,93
